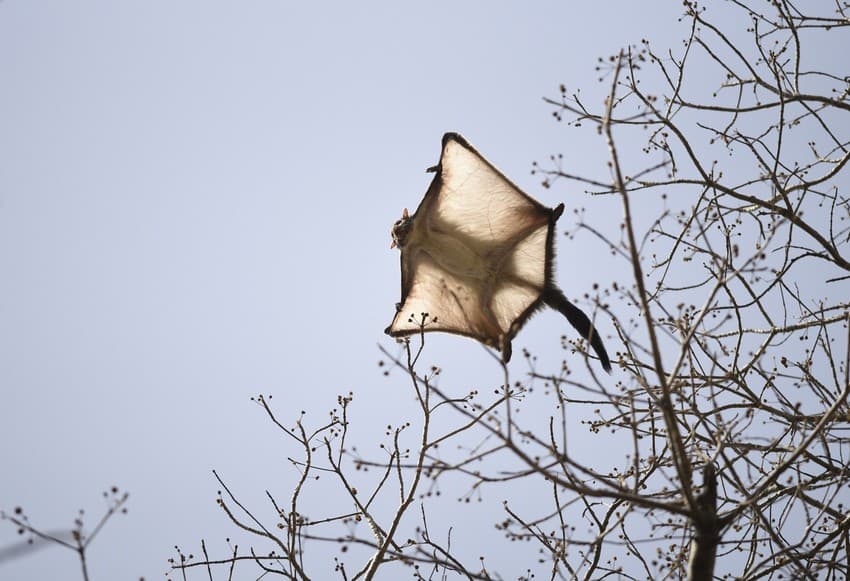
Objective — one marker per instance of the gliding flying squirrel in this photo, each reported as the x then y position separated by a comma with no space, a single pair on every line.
477,256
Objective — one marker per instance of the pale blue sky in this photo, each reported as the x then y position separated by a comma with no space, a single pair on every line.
195,203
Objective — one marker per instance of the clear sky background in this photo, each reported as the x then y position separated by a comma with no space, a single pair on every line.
195,203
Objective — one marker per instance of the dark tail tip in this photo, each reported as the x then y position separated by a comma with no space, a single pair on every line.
556,299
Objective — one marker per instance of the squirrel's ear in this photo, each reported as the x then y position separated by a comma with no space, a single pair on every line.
405,215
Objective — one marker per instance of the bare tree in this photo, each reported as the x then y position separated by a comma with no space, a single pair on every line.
729,404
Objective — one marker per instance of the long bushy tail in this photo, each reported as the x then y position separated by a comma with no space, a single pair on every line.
556,299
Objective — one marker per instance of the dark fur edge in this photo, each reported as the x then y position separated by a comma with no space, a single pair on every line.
411,332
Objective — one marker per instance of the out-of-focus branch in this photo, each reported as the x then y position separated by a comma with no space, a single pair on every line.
75,539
